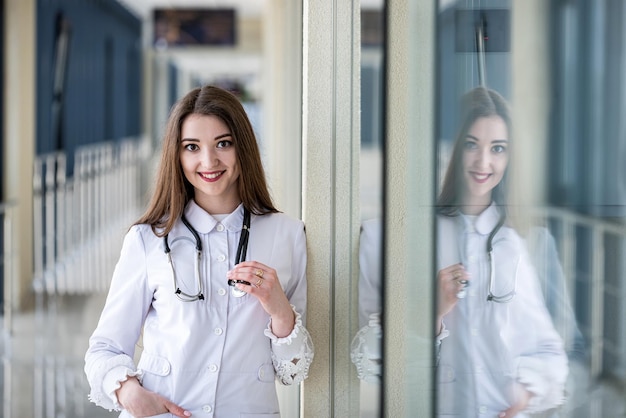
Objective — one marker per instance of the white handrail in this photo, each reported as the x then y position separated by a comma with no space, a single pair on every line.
79,220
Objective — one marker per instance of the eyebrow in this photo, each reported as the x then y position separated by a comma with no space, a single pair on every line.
495,141
215,139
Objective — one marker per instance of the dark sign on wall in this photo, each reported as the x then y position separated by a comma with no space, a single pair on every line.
204,27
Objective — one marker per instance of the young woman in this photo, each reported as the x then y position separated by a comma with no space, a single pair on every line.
212,276
498,352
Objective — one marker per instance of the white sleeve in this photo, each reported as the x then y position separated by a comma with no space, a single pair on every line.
366,350
293,354
370,270
109,358
541,365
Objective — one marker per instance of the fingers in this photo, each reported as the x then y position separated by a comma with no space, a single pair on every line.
252,276
177,410
456,280
455,272
522,398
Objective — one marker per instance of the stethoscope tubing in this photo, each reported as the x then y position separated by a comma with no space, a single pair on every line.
242,249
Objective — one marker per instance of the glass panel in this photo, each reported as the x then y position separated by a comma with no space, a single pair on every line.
531,209
366,348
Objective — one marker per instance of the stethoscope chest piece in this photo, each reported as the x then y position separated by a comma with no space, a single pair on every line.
237,293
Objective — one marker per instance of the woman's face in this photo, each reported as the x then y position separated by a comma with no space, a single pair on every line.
485,157
209,162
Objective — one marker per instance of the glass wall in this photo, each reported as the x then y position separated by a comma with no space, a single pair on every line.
366,347
530,208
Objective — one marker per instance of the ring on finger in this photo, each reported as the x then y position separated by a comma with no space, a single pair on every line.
259,273
259,283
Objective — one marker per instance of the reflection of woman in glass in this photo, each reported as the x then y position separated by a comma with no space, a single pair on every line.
498,352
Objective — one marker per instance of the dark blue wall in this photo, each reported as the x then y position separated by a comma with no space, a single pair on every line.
101,100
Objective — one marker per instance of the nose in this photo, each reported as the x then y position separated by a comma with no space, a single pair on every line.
209,157
483,159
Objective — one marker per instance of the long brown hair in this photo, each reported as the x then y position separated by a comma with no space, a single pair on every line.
478,103
172,190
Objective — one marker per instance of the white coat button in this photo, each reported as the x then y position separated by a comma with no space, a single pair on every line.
482,409
218,331
213,368
471,258
207,409
166,368
221,292
474,331
220,227
472,292
221,257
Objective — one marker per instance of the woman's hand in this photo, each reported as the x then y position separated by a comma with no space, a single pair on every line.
140,402
264,286
450,281
521,400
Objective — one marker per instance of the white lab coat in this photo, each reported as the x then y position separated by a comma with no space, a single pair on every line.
486,346
215,357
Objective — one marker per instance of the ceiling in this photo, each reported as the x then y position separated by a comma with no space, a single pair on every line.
211,60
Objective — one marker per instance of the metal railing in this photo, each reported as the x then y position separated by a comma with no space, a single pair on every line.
7,254
79,220
592,257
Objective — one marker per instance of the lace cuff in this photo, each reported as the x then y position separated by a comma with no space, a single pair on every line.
438,339
365,350
442,335
115,370
291,355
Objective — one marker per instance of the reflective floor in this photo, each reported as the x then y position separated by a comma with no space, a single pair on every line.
43,376
42,364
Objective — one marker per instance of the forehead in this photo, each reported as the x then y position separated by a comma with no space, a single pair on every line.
489,128
203,126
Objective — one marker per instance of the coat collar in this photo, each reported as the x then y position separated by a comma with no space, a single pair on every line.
485,222
204,223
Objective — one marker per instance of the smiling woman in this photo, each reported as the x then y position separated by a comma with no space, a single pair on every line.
484,161
209,162
487,286
202,197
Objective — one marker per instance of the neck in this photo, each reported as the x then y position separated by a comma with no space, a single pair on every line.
218,207
473,210
475,206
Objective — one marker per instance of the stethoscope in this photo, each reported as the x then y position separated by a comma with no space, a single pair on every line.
242,249
507,297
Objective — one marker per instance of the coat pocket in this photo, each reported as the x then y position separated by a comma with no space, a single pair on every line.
156,374
159,366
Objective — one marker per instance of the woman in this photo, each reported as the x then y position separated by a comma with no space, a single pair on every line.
498,352
212,276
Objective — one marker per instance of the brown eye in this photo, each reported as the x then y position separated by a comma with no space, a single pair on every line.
224,144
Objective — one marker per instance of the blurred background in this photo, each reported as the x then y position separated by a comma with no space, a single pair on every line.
354,104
